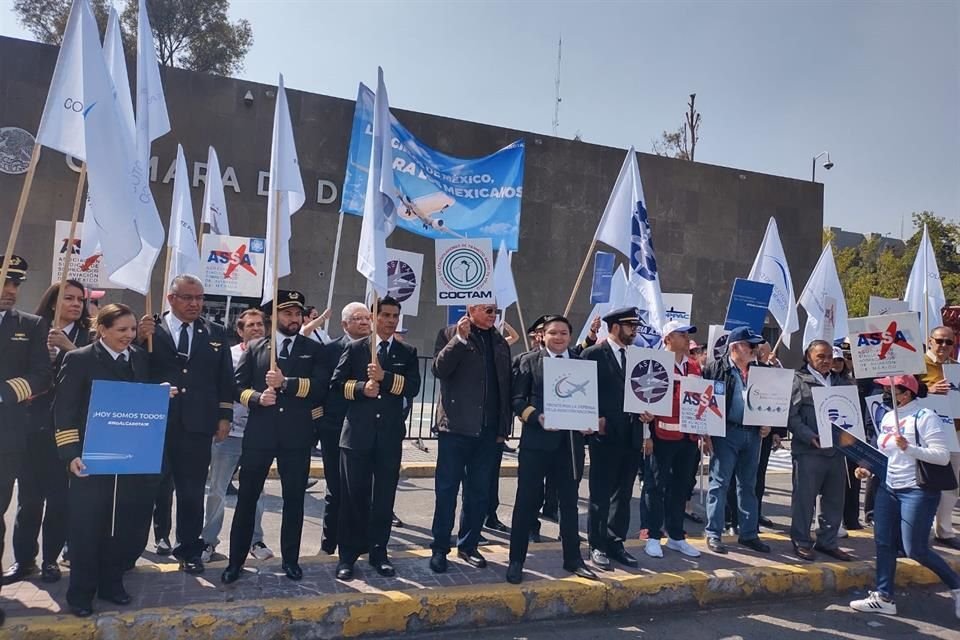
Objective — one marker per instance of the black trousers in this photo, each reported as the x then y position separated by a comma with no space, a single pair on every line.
97,557
368,481
534,467
493,496
293,466
330,452
42,482
666,486
9,464
187,458
851,497
613,470
163,506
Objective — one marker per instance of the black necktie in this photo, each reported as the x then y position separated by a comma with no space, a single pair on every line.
382,352
123,367
183,342
285,349
623,359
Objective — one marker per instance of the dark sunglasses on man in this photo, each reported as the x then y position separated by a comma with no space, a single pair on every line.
943,342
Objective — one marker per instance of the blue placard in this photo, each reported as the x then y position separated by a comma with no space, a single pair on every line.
861,453
442,196
748,305
126,425
602,277
455,312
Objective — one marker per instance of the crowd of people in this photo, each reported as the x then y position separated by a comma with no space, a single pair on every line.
286,387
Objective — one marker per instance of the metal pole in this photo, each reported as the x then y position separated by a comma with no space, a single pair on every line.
333,269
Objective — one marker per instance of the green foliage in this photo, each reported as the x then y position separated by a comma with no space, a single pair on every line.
47,19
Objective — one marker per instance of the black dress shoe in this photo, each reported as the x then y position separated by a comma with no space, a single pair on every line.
764,521
384,567
693,517
756,544
473,558
311,483
535,537
120,597
396,522
193,566
716,545
344,571
853,526
953,543
515,572
494,524
550,515
292,570
19,571
582,571
81,610
438,562
328,547
50,572
623,557
836,554
482,542
230,575
804,553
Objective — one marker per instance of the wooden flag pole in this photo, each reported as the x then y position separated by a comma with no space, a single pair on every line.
148,310
18,218
583,270
74,217
276,251
523,327
373,320
333,269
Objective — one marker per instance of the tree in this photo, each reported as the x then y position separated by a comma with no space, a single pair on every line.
682,143
191,34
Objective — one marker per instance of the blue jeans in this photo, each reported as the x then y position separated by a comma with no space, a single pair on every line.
471,462
909,512
224,457
737,453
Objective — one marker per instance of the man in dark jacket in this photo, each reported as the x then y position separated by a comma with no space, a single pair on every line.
472,363
817,471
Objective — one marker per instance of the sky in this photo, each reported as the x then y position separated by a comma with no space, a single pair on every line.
877,84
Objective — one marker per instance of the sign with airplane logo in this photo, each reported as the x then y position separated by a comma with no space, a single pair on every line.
886,345
232,266
570,394
703,407
648,383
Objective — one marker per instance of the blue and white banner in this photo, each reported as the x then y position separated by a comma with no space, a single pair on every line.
603,264
442,196
126,425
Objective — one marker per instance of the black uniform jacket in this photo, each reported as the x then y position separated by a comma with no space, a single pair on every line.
41,405
288,424
75,382
334,405
205,380
528,405
622,429
24,372
382,417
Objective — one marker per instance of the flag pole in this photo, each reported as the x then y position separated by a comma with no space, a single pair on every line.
226,313
65,270
583,270
21,206
148,310
333,269
373,320
523,326
276,262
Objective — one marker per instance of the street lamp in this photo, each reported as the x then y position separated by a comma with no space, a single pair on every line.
826,165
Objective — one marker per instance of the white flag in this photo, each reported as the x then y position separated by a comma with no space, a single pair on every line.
380,201
618,292
823,301
182,240
117,67
504,287
152,119
214,203
614,226
771,266
286,194
925,289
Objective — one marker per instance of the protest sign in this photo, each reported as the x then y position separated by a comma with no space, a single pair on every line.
951,373
570,394
603,263
648,383
405,278
716,342
862,454
89,272
767,402
748,305
126,424
464,270
940,405
837,406
678,306
703,406
886,345
232,265
876,409
885,306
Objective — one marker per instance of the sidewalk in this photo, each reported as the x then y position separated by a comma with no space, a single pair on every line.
264,604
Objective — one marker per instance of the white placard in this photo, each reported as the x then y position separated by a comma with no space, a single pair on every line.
570,394
876,409
940,405
886,345
405,279
951,373
767,402
89,272
464,270
828,329
840,406
885,306
678,306
716,342
232,266
703,406
648,382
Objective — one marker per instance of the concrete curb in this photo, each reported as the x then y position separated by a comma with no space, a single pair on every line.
355,615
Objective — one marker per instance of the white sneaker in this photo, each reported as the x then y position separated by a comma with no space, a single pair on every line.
683,547
875,603
956,601
653,548
842,533
261,551
207,553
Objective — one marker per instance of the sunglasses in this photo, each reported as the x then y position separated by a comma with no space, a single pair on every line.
943,342
490,310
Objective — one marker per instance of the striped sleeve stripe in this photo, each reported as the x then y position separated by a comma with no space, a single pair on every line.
21,388
527,413
245,396
226,405
317,413
67,436
350,389
397,387
303,387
